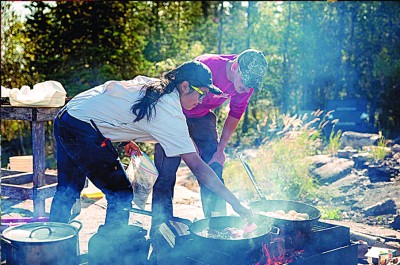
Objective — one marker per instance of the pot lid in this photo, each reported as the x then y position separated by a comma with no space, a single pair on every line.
40,232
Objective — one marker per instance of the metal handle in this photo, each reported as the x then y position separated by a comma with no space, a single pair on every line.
8,242
277,232
251,175
79,223
40,227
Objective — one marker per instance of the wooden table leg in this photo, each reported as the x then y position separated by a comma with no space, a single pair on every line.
39,164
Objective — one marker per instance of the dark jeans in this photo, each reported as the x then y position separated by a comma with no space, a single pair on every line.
204,133
83,152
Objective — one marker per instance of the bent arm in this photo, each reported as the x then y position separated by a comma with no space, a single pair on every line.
229,127
207,176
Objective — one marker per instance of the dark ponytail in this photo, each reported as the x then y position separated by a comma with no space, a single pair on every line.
154,90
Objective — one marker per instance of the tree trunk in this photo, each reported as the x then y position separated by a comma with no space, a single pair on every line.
341,41
285,69
245,126
204,8
220,27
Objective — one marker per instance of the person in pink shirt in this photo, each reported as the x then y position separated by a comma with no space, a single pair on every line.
237,76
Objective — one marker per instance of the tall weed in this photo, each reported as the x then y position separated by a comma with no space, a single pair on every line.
281,164
334,142
380,151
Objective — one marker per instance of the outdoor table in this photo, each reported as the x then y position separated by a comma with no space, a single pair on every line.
18,185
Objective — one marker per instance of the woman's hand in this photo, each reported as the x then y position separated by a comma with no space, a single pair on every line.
244,212
132,148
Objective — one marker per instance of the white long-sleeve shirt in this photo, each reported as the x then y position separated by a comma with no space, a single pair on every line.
109,105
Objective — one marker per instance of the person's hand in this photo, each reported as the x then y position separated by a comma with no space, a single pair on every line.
244,212
219,157
132,148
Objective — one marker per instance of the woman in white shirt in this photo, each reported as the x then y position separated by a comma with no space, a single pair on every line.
143,110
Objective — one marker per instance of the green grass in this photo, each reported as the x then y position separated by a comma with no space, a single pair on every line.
281,164
380,151
334,142
330,214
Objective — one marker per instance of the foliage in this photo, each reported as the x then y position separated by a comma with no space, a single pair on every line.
237,180
281,164
79,59
330,214
334,142
380,151
13,140
15,71
316,51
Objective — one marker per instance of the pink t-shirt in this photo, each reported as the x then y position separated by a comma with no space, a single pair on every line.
238,102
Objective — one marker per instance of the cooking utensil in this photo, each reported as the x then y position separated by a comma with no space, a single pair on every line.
42,243
255,238
264,205
219,223
251,176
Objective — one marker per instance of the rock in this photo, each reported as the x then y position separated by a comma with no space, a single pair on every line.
333,171
361,159
358,140
320,160
396,148
396,223
345,215
347,183
393,244
377,173
340,199
396,157
346,153
357,200
362,249
384,207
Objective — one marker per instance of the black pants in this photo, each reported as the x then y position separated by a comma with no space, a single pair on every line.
83,152
204,133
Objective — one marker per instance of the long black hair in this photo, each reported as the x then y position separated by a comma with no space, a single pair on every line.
154,90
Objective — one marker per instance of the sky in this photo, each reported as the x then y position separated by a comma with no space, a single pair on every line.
19,8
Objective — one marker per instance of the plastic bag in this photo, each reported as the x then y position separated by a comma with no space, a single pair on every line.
142,174
44,94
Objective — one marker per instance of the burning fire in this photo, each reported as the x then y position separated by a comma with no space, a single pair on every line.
276,254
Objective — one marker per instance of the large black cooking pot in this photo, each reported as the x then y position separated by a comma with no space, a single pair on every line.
252,240
264,205
287,226
248,242
42,243
122,245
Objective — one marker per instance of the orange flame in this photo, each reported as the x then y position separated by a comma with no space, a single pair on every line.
277,254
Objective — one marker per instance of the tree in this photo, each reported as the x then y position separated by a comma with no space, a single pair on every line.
82,58
15,70
15,73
